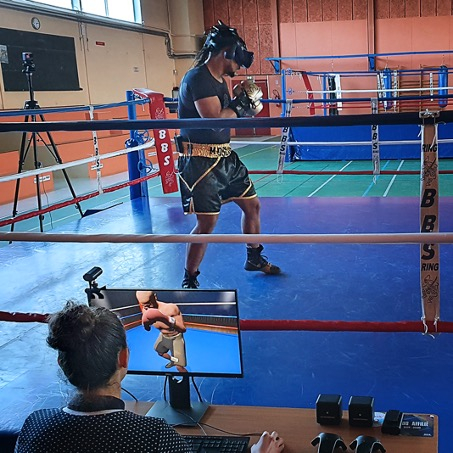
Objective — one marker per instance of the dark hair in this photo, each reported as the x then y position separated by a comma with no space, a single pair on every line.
203,55
88,340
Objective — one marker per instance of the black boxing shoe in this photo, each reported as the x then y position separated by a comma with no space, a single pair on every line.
257,262
190,281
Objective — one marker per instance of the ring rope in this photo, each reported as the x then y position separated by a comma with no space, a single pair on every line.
285,325
343,172
378,91
216,123
364,99
48,111
362,238
75,163
66,203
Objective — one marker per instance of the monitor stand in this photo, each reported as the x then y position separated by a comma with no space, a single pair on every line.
180,411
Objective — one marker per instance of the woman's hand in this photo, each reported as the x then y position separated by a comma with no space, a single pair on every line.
269,443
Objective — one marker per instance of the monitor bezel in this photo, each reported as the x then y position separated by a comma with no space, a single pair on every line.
188,373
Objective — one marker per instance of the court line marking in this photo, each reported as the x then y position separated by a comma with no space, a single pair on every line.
372,183
392,180
330,179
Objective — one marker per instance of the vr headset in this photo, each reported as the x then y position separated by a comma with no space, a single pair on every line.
222,36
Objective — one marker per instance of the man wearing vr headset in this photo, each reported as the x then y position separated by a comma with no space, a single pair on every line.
210,172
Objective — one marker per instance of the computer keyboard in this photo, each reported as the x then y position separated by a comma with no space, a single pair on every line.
224,444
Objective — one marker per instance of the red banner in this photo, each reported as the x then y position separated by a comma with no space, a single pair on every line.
162,140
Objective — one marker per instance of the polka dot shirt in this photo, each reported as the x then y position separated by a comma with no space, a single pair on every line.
62,431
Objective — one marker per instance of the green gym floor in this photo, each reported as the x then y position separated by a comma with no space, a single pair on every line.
256,157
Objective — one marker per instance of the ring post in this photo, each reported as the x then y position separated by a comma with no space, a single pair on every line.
429,223
162,139
134,158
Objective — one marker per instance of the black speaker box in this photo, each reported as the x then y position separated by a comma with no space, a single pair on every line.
329,410
361,411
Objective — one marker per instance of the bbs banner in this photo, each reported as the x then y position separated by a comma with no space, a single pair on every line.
429,223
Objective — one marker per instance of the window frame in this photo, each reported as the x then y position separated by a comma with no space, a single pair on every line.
76,10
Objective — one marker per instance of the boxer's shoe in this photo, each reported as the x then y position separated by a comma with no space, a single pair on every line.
257,262
170,364
190,281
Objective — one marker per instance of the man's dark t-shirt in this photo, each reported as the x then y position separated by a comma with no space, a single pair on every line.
198,83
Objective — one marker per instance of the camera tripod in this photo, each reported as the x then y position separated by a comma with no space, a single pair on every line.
32,104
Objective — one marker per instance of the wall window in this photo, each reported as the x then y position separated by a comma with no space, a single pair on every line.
127,10
60,3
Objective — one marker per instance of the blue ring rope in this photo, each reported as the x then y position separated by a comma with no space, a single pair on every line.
361,55
83,108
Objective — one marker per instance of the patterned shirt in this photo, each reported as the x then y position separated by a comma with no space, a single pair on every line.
109,430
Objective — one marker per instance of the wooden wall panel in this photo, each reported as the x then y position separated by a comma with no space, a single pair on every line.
285,11
428,8
443,7
345,10
397,10
252,40
314,8
208,13
221,11
250,12
329,10
413,8
300,9
260,22
236,12
265,11
266,47
359,9
382,9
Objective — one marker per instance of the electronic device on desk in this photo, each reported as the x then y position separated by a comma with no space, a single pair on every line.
209,347
222,444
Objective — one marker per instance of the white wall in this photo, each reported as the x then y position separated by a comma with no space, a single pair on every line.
111,60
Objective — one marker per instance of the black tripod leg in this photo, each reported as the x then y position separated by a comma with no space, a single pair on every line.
22,155
65,173
37,180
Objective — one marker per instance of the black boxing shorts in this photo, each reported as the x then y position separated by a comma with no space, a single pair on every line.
208,182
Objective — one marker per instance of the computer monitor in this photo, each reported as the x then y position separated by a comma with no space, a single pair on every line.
209,347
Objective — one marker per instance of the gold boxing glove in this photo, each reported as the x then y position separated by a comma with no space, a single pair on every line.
247,99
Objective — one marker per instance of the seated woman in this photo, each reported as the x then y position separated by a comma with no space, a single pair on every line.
93,354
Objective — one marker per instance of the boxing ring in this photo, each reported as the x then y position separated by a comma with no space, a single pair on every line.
351,257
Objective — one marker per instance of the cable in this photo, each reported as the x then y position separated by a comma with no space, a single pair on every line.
229,432
129,393
164,394
196,389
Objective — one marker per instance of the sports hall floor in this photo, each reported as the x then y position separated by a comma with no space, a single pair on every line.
352,282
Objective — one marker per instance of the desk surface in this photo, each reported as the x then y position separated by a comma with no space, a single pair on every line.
297,426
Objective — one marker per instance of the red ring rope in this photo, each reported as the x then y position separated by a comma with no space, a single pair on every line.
348,172
63,204
286,325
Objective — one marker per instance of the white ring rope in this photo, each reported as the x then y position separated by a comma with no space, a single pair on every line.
366,143
367,238
151,144
75,163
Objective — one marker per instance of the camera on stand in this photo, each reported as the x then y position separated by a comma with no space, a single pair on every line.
27,62
93,291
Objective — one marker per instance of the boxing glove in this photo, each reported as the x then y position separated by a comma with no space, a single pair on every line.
150,316
247,99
